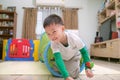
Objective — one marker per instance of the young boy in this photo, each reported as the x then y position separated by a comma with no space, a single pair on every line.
66,48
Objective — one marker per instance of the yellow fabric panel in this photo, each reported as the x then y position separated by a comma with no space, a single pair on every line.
36,50
4,48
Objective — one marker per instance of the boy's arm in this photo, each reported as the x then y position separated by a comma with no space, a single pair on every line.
86,58
60,64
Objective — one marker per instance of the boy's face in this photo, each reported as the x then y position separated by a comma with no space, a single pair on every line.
55,32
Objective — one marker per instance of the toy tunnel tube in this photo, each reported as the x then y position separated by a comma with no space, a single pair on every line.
46,61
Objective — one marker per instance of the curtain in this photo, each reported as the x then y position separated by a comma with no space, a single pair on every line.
43,12
70,17
33,19
29,23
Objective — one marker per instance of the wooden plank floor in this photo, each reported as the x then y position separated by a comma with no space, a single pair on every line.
14,70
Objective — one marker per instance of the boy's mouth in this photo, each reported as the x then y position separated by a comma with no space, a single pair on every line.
54,39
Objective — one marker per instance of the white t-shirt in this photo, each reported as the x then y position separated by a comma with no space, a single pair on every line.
74,45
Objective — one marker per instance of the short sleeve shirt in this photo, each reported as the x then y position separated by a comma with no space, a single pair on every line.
74,45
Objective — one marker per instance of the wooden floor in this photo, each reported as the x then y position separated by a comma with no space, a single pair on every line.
13,70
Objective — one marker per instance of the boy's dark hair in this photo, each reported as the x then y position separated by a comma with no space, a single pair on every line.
52,19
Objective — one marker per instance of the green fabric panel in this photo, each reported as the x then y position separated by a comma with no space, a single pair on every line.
60,64
43,43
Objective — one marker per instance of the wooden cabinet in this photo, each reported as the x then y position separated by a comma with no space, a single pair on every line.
109,49
108,12
118,13
8,21
111,11
108,20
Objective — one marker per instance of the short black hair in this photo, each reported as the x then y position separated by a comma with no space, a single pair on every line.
52,19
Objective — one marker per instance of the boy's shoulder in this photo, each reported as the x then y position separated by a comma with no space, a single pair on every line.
72,35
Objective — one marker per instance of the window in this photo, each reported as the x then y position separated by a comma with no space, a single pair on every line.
42,13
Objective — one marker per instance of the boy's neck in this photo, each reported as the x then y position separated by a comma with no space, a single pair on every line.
64,40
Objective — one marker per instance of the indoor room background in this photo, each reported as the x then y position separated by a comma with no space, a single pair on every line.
87,16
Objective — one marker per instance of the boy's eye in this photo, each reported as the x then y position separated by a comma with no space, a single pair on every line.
54,32
48,34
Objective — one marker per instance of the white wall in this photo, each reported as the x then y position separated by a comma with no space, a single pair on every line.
73,3
87,15
88,20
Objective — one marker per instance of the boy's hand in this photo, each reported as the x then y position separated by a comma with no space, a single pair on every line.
69,78
89,73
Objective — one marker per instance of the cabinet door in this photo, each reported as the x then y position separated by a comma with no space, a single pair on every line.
115,49
100,50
